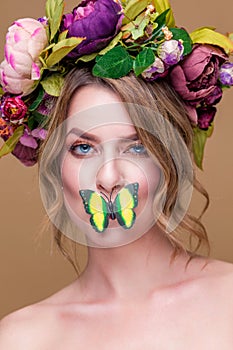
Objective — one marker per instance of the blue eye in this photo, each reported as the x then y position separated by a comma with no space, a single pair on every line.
84,148
137,149
81,149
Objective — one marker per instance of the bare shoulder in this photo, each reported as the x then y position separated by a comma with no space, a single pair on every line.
35,327
216,279
23,329
220,272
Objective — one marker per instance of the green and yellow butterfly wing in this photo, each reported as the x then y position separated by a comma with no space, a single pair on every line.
96,206
125,202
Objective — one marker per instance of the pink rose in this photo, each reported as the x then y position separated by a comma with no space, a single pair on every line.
25,40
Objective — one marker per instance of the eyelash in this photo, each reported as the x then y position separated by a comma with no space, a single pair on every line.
140,145
73,149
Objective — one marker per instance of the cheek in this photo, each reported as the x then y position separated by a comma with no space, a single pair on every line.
69,174
153,179
148,182
148,175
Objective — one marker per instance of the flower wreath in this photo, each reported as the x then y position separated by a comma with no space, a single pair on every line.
117,37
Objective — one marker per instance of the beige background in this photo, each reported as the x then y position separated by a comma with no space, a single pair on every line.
28,270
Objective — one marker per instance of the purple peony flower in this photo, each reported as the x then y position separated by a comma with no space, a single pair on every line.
98,21
39,133
205,116
170,52
26,149
27,155
13,110
196,77
214,97
29,138
226,74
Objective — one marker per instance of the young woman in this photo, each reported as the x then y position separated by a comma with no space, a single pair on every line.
116,174
131,284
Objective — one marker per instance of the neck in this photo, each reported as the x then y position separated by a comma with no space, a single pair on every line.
134,270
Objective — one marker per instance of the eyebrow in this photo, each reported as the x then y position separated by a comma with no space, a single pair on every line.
88,136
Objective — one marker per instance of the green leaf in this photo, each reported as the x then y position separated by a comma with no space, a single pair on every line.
112,44
53,84
133,9
116,63
54,11
37,101
87,58
136,28
161,19
10,144
161,22
125,2
163,5
62,35
143,60
1,91
179,33
206,35
47,48
199,141
61,49
139,25
36,120
32,124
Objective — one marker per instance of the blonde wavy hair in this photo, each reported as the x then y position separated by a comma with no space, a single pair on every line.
190,234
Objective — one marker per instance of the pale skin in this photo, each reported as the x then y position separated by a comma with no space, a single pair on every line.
131,296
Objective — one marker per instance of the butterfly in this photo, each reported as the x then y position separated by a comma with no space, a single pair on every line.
102,209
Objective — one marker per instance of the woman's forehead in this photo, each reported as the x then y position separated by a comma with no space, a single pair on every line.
95,107
91,96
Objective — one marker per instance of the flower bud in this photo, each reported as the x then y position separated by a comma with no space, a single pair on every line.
154,70
171,52
226,74
205,116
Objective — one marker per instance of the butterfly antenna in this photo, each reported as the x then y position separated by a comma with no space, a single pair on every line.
112,193
106,195
109,199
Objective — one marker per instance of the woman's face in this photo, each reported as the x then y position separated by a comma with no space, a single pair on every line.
103,154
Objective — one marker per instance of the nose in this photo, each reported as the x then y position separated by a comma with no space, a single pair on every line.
110,177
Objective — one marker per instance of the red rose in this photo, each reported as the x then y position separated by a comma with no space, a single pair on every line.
13,110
